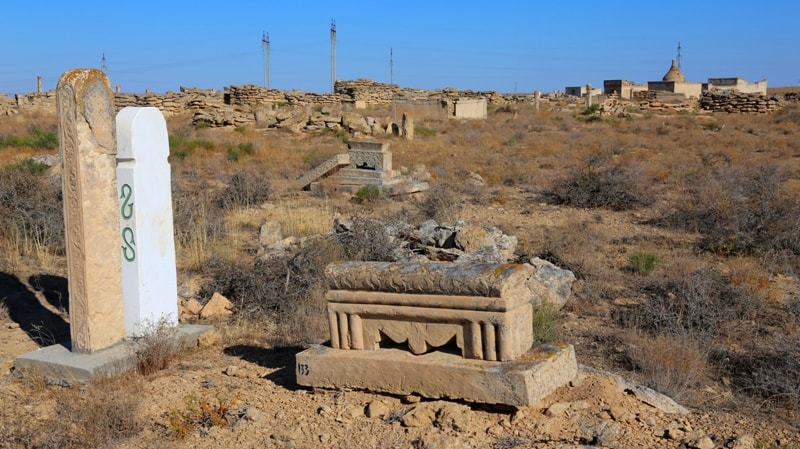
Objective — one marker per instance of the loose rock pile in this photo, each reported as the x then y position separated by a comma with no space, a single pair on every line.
737,102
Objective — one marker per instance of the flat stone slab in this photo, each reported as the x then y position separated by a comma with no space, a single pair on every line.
524,381
59,364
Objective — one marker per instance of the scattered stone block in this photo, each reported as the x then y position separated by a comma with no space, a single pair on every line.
217,306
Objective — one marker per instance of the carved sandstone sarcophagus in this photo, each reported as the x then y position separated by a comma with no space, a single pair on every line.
484,308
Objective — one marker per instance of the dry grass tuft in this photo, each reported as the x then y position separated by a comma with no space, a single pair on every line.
673,365
156,347
202,413
104,414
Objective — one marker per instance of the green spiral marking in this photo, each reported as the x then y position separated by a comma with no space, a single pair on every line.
127,206
128,249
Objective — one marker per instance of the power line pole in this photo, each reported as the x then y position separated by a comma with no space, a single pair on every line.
103,64
333,54
265,51
391,66
678,59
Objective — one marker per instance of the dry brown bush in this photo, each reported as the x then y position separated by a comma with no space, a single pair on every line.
31,215
157,346
601,183
672,364
103,414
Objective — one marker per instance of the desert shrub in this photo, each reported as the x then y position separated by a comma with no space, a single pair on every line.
369,192
442,203
741,211
244,189
286,290
769,369
102,414
545,323
589,110
28,165
232,154
198,222
180,146
31,208
156,347
367,240
424,132
642,262
38,139
699,304
601,184
673,365
200,412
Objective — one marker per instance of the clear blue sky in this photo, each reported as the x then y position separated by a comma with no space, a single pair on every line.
497,45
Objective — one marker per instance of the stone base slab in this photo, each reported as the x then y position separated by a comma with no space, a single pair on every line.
59,364
521,382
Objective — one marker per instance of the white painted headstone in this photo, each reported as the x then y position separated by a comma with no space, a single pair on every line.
149,279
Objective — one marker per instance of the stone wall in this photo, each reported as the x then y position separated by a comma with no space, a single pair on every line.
737,102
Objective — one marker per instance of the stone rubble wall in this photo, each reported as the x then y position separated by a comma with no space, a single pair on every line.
738,102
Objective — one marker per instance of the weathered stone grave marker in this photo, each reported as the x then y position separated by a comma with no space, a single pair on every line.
86,132
149,279
102,229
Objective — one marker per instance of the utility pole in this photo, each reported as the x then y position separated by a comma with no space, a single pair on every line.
265,51
391,66
333,54
678,59
103,64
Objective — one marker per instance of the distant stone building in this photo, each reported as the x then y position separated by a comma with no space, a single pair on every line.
759,87
674,82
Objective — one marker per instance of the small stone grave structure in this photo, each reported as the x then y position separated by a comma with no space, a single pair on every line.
96,242
377,309
365,163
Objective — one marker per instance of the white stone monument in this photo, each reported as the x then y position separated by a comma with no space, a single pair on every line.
149,280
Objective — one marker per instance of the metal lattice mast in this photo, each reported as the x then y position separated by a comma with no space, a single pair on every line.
265,51
391,66
333,54
678,59
103,64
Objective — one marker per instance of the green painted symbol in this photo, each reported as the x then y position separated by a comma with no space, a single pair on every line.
127,206
128,250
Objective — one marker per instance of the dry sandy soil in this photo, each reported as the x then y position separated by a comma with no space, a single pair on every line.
595,410
267,409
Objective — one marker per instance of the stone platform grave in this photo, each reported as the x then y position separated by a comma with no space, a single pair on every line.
365,163
467,329
109,225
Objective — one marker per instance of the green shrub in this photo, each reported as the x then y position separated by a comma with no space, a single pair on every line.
38,139
240,129
29,166
642,262
232,154
589,110
424,132
246,148
369,192
545,323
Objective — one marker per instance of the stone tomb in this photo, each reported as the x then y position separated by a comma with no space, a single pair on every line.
376,310
96,241
365,163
